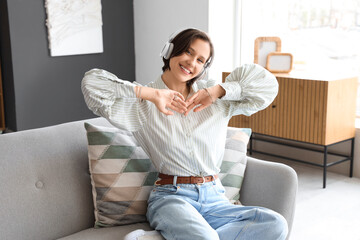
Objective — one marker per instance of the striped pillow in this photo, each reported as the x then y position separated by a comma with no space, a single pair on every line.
122,176
234,162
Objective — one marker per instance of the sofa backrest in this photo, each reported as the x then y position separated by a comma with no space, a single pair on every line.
45,183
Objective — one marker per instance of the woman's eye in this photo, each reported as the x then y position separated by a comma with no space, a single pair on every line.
188,52
200,61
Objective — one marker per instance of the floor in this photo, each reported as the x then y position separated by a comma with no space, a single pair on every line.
324,214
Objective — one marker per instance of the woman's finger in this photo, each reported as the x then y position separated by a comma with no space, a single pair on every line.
198,109
168,112
192,99
179,101
177,94
165,111
177,107
191,106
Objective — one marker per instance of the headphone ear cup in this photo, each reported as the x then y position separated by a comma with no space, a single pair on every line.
167,49
163,52
207,64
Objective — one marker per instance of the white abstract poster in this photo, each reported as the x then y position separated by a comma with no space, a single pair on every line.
74,27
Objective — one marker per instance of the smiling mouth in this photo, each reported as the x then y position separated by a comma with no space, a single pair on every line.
187,71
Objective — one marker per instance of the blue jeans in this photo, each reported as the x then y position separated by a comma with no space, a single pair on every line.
195,212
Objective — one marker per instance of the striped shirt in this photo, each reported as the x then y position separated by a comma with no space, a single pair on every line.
177,145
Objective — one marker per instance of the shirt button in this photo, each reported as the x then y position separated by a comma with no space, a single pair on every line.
188,134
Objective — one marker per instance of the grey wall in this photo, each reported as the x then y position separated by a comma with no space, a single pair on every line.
41,90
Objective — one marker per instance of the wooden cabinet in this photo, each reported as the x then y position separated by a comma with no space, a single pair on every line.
2,113
312,109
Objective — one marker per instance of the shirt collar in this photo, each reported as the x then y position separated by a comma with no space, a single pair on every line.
159,83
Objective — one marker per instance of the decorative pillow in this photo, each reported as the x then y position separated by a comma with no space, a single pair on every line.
234,162
122,176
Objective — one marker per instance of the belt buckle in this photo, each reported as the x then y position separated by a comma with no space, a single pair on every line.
156,182
203,180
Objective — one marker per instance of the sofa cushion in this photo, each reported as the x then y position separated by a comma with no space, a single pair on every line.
111,233
122,175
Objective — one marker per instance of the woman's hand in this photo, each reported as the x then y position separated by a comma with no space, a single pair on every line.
204,98
162,98
201,98
166,98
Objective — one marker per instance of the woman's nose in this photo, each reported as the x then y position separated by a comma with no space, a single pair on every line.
192,61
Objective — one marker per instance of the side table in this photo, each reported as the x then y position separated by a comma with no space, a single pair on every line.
318,109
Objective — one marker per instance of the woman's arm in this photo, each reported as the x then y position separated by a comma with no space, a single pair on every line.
114,99
121,102
248,89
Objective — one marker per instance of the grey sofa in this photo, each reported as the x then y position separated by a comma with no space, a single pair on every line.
46,191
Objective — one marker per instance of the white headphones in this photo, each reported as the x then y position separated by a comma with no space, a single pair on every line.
169,46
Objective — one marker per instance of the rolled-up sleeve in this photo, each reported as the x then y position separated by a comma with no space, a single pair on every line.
114,99
249,89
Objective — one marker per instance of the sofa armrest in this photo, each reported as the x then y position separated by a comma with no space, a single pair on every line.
271,185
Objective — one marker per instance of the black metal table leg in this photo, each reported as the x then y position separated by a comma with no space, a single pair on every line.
352,157
325,166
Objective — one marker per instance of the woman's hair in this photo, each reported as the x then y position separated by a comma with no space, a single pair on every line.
182,42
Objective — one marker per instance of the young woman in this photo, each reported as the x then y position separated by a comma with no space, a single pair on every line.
181,123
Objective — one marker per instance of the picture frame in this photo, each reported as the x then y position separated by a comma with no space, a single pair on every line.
263,46
278,62
74,27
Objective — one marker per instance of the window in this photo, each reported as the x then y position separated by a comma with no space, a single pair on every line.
322,35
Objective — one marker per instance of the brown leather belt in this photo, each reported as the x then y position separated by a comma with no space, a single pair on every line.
169,179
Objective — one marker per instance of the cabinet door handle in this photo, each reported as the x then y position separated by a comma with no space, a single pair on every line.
273,106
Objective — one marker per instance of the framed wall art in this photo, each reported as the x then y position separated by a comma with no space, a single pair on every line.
264,46
74,27
278,62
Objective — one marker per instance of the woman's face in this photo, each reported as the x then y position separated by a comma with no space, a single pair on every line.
190,63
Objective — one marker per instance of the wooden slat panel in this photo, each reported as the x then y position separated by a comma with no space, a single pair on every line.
266,119
275,115
288,107
294,110
292,104
284,106
297,110
322,114
280,107
315,127
302,101
308,111
311,108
